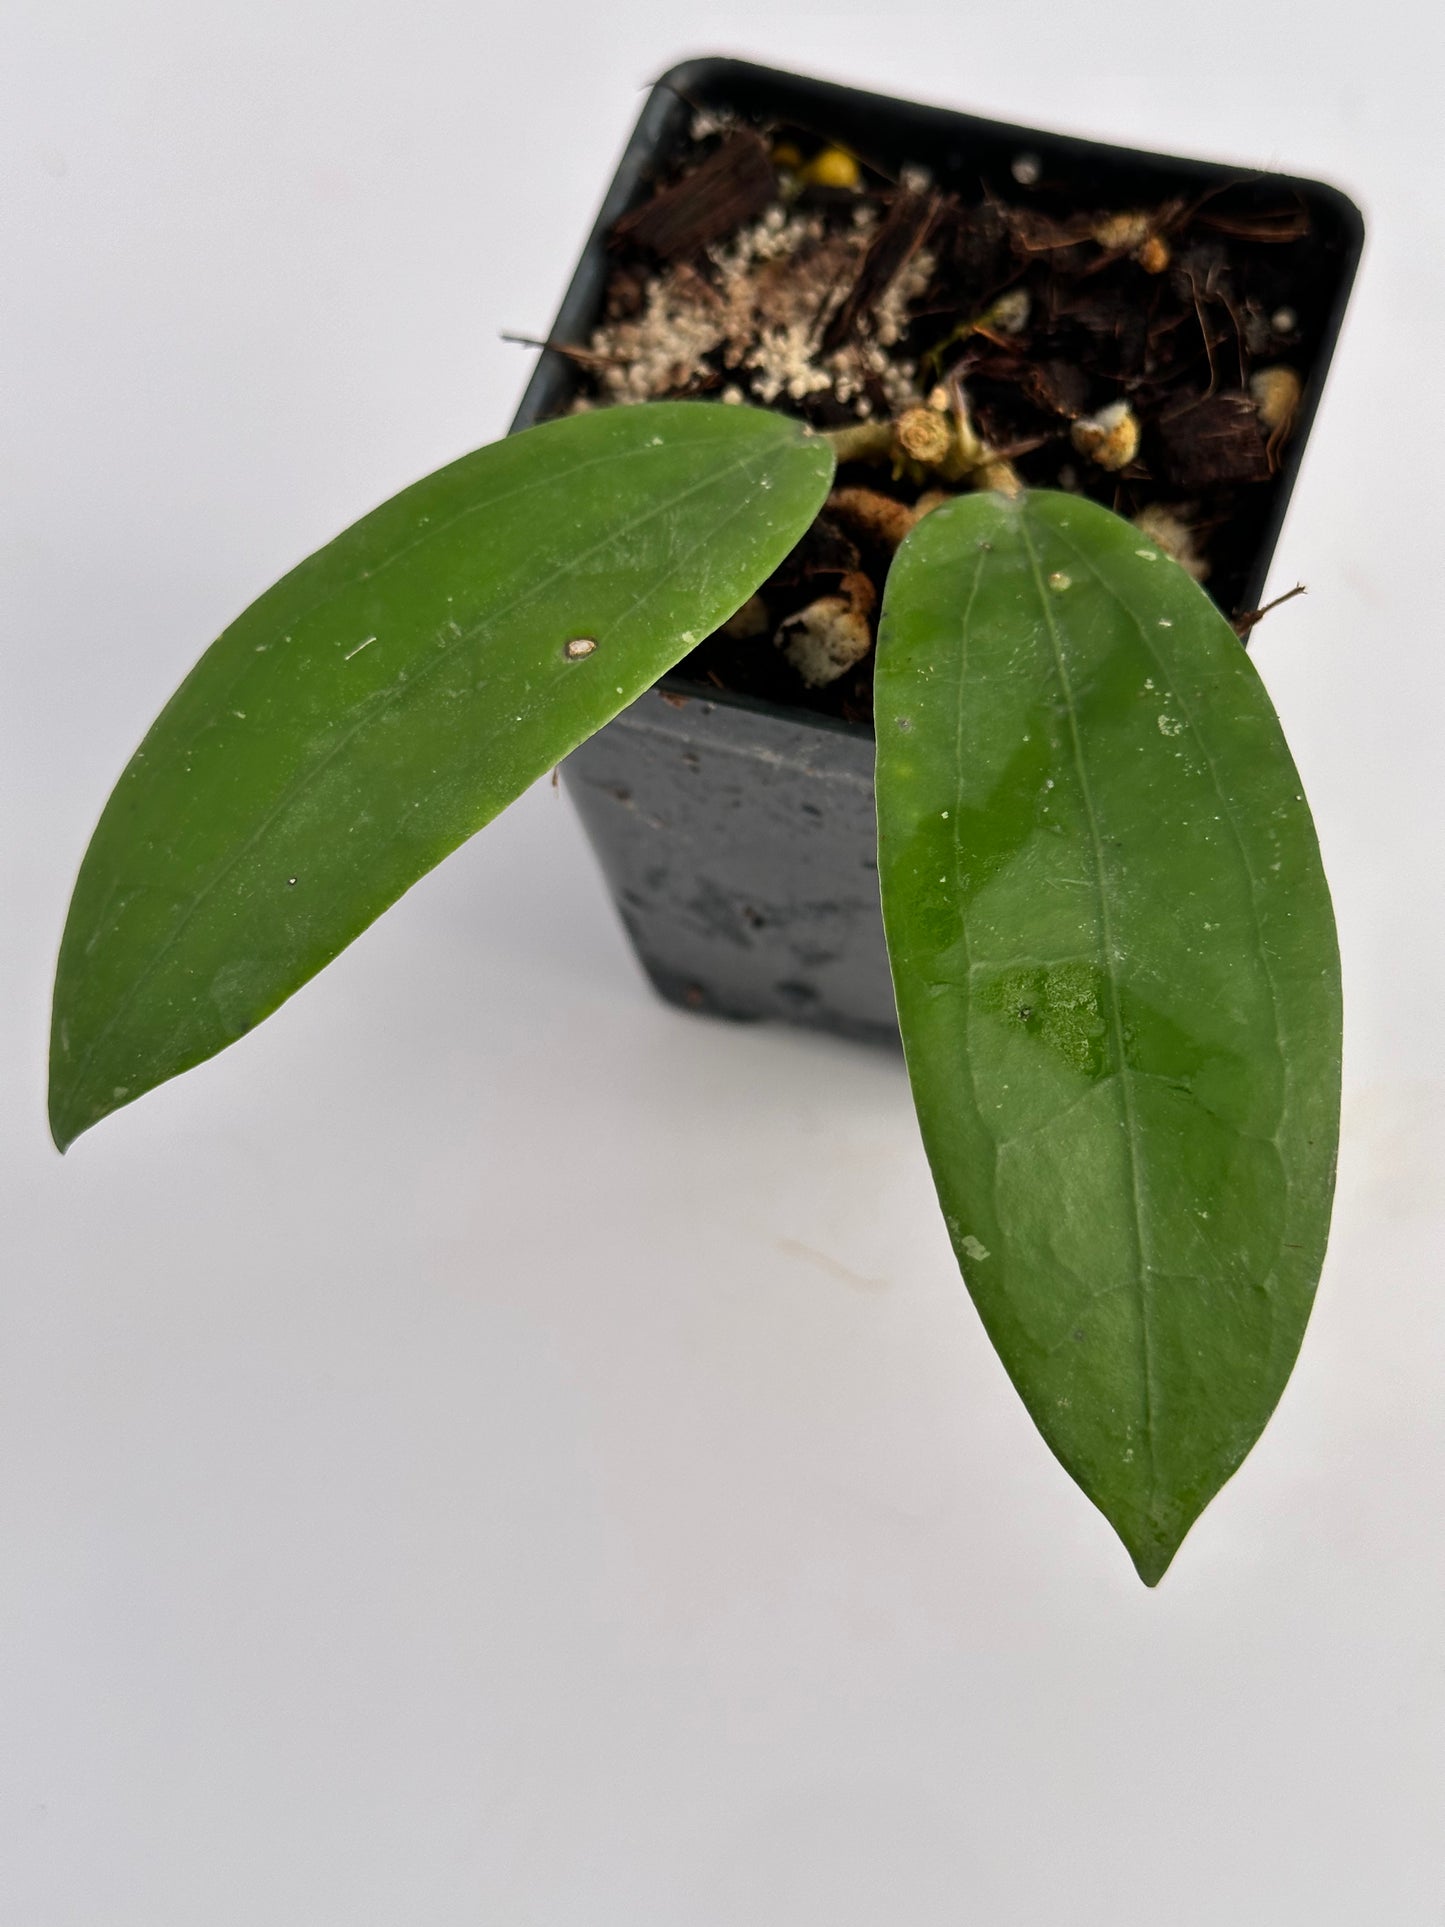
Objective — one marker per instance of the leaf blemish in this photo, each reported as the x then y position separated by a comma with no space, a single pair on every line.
579,648
1058,1005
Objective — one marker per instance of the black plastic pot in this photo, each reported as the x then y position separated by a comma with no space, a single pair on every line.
738,837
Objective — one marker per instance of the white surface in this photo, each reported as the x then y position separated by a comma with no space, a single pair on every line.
489,1448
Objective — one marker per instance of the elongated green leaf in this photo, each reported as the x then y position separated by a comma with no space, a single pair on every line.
388,698
1118,985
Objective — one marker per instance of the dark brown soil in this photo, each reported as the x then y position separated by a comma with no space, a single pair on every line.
1043,312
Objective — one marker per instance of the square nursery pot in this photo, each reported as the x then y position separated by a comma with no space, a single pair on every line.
738,836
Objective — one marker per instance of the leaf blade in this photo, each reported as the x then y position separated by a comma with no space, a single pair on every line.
1118,985
386,699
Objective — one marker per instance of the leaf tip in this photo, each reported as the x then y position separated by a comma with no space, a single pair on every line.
65,1127
78,1106
1151,1547
1152,1562
72,1103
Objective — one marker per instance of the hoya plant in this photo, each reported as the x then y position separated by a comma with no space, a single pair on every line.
1111,940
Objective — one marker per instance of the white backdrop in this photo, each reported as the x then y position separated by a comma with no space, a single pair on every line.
490,1448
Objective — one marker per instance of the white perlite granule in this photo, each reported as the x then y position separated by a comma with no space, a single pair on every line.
762,302
661,350
783,360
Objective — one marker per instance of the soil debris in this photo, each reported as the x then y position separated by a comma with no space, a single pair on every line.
990,333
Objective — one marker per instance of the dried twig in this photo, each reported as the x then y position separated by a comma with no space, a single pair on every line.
1242,625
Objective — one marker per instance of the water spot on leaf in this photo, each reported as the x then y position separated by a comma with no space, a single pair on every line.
1059,1005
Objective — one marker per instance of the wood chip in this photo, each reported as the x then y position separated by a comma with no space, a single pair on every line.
901,233
1277,224
1215,442
1035,233
729,189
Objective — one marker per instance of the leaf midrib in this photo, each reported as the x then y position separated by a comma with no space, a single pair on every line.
1116,1022
1227,813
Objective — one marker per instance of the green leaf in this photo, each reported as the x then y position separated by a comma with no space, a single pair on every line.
389,697
1118,986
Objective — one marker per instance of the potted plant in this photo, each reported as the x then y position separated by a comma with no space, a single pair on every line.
868,522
